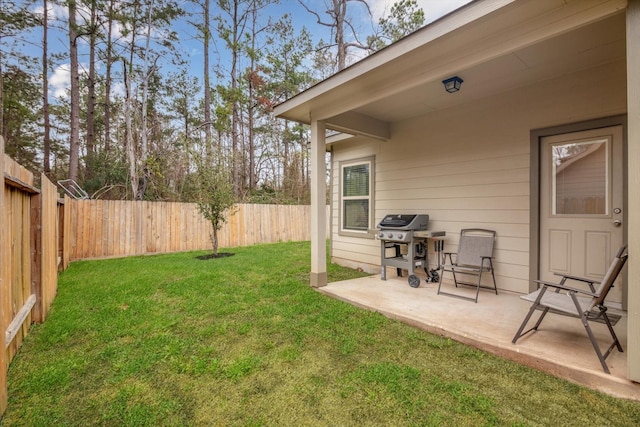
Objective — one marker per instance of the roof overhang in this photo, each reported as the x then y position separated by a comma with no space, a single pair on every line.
494,45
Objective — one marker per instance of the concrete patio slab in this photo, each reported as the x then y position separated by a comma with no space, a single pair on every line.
559,347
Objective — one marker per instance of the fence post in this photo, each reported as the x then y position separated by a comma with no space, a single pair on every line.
61,231
4,287
36,256
68,233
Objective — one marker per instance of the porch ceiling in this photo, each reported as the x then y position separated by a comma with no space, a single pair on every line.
516,44
598,44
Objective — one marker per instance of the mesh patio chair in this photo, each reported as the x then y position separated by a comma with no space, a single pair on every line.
569,301
474,257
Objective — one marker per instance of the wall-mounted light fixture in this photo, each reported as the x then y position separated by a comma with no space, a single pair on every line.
452,84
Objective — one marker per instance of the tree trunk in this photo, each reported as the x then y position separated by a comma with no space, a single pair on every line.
144,144
207,84
252,106
107,83
91,93
214,239
340,14
128,139
74,119
235,121
46,140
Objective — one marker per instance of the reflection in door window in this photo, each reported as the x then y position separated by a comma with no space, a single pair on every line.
580,175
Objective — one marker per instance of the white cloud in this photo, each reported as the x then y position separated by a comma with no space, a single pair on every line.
433,9
59,81
54,12
118,91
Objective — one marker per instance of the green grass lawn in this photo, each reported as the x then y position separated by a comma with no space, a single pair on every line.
171,340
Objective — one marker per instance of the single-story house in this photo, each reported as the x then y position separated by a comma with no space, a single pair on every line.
541,142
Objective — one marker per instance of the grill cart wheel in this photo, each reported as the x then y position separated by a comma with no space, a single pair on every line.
414,281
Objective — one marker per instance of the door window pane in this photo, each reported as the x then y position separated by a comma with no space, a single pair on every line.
580,178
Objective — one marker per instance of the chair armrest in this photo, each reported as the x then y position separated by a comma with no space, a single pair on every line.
485,258
566,288
577,278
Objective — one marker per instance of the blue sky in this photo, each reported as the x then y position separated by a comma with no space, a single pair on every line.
192,47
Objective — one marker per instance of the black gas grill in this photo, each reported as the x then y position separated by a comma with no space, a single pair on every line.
400,228
403,244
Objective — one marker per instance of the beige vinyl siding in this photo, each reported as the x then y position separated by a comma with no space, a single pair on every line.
469,166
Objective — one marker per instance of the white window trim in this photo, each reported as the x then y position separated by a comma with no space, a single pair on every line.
357,233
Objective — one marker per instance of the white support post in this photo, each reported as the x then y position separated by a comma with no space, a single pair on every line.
318,276
633,187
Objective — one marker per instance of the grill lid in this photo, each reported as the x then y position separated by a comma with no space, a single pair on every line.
405,222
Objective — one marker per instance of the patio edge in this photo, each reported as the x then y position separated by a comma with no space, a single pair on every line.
601,382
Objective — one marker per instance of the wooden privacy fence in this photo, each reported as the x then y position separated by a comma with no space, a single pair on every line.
112,228
29,227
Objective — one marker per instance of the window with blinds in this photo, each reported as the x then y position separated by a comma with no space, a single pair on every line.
356,195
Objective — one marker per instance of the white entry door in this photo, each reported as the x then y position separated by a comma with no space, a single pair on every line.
581,201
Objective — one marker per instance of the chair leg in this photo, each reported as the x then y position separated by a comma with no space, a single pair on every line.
479,283
493,276
594,343
592,338
542,315
526,320
443,269
533,308
455,279
616,342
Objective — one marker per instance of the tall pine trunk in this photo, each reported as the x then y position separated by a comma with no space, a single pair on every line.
207,83
235,119
251,108
91,93
74,119
144,132
46,140
128,139
107,82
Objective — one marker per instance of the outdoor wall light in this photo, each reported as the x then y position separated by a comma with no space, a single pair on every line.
452,84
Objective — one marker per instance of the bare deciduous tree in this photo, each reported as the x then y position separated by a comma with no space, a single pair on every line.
339,23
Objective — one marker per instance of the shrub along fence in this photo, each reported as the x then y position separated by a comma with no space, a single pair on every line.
29,235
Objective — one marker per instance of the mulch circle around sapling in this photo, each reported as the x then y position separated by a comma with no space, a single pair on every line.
214,256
